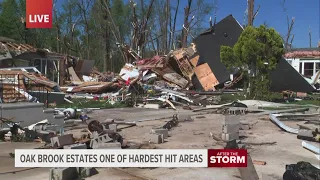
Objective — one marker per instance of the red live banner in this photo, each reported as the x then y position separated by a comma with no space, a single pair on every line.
227,158
39,13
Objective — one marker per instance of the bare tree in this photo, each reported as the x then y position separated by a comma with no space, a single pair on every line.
289,36
186,24
310,42
139,34
114,30
83,6
173,30
251,14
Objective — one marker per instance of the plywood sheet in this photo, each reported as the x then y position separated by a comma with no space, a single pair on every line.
194,61
206,77
176,79
73,74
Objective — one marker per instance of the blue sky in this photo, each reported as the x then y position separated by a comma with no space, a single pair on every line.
306,13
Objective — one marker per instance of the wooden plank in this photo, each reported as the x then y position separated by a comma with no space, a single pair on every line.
73,74
176,79
194,61
151,66
178,54
206,77
24,47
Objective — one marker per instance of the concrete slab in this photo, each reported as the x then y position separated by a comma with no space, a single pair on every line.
75,146
162,131
156,138
229,136
112,145
139,114
101,139
287,149
244,126
230,119
62,140
63,173
113,127
230,128
7,163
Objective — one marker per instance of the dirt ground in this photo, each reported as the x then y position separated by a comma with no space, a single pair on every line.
187,135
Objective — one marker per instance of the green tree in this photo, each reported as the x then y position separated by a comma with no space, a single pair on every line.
10,20
257,50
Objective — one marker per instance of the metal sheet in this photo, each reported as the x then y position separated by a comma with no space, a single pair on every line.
206,77
274,118
311,147
129,71
73,75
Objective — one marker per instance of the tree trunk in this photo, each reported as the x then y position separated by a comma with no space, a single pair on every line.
250,12
166,26
186,24
174,25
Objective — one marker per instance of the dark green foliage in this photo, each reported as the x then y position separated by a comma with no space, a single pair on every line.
258,49
85,103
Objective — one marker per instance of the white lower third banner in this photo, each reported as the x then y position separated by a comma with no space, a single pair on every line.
111,158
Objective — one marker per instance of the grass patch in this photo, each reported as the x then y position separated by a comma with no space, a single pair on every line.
228,98
276,108
88,103
307,102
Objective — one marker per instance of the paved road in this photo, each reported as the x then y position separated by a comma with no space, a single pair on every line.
138,114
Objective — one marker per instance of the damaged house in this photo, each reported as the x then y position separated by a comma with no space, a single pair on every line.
211,72
57,67
307,62
40,67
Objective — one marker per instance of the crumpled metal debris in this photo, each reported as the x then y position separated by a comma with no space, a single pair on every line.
274,118
172,123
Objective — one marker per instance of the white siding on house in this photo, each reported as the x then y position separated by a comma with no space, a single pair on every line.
307,67
294,63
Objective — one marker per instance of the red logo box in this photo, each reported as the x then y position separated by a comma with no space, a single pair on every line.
39,13
227,158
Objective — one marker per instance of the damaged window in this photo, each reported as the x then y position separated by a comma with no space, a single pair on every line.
300,68
317,66
308,69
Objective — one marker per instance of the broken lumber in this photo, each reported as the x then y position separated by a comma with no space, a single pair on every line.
259,162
